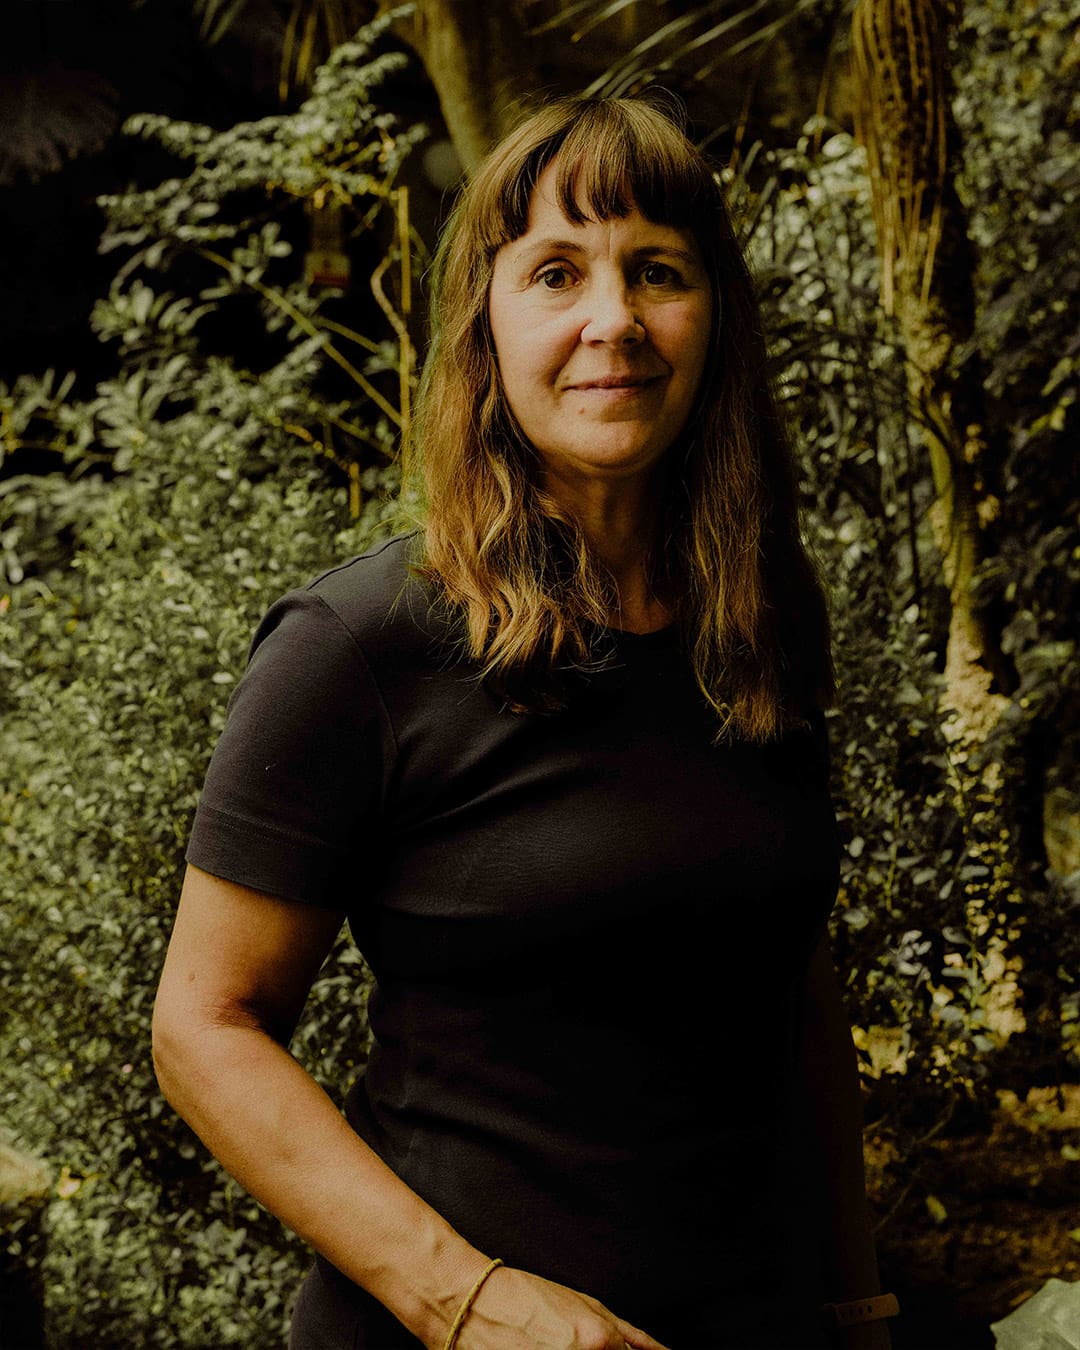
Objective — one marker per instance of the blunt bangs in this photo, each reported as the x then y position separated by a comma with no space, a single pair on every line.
612,156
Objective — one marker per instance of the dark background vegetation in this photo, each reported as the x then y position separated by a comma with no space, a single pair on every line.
211,287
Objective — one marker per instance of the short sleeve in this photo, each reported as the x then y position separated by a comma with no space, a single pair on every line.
294,790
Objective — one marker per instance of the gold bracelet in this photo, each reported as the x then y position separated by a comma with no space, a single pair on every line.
861,1310
470,1298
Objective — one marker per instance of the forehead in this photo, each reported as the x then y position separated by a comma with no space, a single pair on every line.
551,214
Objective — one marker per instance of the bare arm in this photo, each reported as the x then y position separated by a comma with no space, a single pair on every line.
834,1113
239,967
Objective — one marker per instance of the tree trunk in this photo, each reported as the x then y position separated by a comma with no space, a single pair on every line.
904,118
477,57
960,445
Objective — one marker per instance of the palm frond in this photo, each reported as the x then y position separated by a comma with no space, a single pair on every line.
601,15
760,37
615,79
313,29
703,27
216,17
596,14
51,115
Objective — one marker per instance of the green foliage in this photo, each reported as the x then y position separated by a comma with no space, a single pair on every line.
198,490
107,742
903,907
1017,109
198,484
1021,181
338,143
958,946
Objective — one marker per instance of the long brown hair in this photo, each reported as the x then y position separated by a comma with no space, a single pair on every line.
502,553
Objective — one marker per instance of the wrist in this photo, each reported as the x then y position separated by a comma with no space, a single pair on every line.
869,1336
467,1302
435,1291
861,1319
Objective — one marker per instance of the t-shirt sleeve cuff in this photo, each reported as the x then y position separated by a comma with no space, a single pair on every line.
248,853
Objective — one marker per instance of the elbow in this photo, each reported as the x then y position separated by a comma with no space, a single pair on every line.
182,1045
168,1045
198,1047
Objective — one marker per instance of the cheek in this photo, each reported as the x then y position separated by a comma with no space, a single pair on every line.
518,369
535,349
680,322
692,339
505,347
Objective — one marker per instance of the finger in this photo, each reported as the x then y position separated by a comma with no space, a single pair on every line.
635,1338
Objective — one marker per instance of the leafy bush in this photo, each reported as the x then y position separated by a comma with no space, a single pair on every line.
200,491
959,945
902,918
1021,181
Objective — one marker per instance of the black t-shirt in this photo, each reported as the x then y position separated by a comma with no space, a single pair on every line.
589,932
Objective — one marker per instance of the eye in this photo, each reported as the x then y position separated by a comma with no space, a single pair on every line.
659,274
554,278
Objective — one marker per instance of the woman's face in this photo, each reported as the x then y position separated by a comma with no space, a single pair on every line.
601,333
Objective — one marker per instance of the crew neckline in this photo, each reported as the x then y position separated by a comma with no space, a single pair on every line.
658,636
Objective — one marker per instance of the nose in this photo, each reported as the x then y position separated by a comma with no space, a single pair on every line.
612,315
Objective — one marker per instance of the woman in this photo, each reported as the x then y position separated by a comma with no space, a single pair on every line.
558,757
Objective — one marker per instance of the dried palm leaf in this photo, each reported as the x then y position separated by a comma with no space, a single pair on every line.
646,54
899,56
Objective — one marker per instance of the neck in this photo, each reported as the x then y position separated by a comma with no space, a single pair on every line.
620,522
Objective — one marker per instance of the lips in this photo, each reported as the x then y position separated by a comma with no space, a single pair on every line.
616,382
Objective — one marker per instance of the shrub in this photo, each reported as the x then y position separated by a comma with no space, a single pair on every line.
198,491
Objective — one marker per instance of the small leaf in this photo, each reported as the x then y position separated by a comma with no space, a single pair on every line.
936,1209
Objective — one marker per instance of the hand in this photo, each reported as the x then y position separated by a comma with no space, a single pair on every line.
518,1311
868,1336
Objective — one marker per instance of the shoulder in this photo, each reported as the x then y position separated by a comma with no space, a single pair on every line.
310,742
368,604
376,597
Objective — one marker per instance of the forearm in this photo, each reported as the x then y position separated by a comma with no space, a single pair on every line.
239,967
834,1124
275,1130
836,1136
